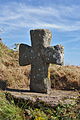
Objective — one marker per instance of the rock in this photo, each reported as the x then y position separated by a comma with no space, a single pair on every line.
37,99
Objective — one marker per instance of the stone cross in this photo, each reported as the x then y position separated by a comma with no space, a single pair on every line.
40,55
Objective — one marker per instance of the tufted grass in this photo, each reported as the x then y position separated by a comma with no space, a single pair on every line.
9,111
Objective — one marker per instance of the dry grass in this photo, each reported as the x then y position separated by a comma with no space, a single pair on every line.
10,71
65,77
11,74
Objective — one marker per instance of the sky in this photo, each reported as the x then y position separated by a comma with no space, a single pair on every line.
61,17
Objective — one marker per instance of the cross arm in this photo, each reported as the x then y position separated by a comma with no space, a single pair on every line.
25,54
54,55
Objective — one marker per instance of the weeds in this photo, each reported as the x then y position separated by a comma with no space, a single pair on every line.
61,112
9,111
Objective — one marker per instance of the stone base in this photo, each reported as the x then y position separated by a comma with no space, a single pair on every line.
53,99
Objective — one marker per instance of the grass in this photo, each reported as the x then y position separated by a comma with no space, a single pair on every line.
9,111
10,70
65,77
43,111
60,112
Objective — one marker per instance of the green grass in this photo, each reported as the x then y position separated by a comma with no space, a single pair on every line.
45,112
61,112
9,111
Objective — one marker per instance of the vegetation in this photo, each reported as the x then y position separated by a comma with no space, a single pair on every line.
65,77
9,111
10,71
61,112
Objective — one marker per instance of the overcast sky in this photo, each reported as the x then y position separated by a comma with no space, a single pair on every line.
62,17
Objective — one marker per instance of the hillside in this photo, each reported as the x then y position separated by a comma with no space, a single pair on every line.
14,76
10,71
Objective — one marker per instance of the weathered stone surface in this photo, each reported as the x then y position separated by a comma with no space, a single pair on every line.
39,55
53,99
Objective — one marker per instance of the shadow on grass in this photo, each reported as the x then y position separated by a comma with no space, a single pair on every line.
3,84
17,90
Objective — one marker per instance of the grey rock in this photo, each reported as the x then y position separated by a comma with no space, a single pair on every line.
40,55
